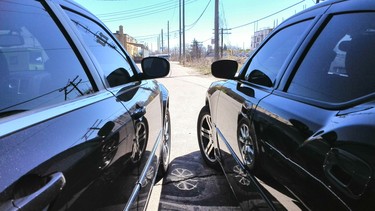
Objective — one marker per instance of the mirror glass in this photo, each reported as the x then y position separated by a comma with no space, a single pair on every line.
155,67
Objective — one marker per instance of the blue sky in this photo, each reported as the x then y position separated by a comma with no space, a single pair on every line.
145,19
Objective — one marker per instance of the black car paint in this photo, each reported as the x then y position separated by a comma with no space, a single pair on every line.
319,156
85,144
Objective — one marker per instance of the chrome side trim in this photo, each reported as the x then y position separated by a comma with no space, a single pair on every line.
251,177
26,119
143,175
238,161
142,178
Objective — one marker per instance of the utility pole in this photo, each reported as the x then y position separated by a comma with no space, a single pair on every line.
183,32
179,34
168,36
222,43
216,37
162,41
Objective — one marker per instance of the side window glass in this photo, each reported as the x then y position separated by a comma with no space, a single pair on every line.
37,69
109,56
339,66
268,61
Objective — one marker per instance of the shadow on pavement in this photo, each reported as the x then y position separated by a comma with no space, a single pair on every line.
192,185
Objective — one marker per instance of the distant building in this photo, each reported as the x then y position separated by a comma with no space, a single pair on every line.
258,37
136,50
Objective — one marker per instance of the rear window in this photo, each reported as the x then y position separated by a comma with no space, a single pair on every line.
340,65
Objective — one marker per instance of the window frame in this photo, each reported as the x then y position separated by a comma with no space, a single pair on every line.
60,18
29,96
26,119
244,70
88,52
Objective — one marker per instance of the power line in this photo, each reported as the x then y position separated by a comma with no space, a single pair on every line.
190,26
142,9
252,22
140,12
195,22
223,19
243,25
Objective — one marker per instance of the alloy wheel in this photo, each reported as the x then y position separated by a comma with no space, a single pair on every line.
206,140
166,141
246,144
139,143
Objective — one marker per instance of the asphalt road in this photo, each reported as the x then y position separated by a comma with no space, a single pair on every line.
190,184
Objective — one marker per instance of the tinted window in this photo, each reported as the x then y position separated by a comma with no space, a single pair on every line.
340,64
109,56
37,66
272,55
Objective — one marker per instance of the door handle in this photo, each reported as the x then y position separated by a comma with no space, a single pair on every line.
347,172
44,196
139,112
246,109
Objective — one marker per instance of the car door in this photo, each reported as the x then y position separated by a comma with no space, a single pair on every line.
238,141
59,128
308,130
238,98
143,100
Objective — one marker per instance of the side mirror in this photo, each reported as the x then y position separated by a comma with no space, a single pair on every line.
226,69
118,77
258,77
155,67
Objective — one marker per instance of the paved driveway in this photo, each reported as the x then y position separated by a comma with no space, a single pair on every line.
190,184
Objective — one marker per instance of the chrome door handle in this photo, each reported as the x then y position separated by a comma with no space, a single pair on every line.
44,196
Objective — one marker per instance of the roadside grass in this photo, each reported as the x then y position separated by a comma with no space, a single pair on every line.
203,65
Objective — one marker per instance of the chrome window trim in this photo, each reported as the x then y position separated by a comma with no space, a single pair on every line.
26,119
93,68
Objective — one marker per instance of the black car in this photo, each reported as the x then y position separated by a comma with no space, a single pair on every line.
297,121
81,127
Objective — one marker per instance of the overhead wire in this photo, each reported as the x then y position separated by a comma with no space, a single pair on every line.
190,26
195,22
142,9
141,12
265,17
223,19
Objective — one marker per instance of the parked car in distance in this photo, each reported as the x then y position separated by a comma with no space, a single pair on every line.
81,127
298,118
165,56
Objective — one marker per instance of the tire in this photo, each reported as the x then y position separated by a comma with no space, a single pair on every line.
205,140
248,144
166,146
